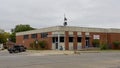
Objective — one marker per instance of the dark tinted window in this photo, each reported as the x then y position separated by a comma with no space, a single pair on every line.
79,39
26,36
44,35
70,39
61,39
55,39
34,36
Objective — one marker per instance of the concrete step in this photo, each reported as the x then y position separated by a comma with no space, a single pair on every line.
90,48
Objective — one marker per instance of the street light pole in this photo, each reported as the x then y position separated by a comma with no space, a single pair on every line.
58,41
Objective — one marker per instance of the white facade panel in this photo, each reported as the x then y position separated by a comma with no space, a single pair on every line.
79,33
79,46
53,46
70,46
87,33
70,33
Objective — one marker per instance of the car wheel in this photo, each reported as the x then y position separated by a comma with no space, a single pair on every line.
10,52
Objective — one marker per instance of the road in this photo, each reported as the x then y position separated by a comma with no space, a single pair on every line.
84,60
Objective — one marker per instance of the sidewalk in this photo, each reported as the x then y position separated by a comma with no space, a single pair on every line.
56,52
48,52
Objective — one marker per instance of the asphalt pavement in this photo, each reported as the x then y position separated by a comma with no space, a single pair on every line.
49,60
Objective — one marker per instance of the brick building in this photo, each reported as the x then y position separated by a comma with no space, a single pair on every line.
69,37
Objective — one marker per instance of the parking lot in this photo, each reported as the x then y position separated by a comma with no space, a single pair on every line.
53,60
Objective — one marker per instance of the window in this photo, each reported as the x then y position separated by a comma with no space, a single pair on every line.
61,39
26,36
55,39
79,39
34,36
44,35
70,39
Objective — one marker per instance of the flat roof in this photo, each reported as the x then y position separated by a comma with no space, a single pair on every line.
70,28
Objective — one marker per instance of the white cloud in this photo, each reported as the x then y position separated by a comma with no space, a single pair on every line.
44,13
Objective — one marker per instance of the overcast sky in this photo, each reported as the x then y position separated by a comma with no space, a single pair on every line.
47,13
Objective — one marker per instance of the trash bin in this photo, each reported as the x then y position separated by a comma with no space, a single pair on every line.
61,48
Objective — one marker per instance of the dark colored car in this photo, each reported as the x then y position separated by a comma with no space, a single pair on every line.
17,49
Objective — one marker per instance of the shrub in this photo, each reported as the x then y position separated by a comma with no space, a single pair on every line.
103,47
31,45
42,44
116,44
96,42
39,45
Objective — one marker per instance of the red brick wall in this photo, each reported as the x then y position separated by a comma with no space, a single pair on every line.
107,38
83,40
66,40
26,42
19,39
113,37
103,37
49,40
75,40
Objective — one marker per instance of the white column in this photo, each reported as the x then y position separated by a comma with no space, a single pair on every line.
58,41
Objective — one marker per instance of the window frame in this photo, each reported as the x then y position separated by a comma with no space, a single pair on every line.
26,37
33,35
44,35
78,39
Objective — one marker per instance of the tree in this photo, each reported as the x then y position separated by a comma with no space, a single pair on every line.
19,28
13,37
4,36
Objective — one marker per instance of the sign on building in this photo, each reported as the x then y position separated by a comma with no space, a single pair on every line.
96,36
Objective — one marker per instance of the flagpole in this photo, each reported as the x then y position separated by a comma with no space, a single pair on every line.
65,21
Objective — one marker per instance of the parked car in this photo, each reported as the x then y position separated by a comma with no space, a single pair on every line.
17,49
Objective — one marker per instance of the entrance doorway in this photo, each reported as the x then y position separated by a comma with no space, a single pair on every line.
87,39
56,45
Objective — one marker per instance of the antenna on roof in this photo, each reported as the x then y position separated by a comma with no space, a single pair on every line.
65,21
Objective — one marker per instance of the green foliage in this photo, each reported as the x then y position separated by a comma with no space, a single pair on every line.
13,37
34,45
31,45
39,46
2,40
116,44
96,42
19,28
42,44
103,47
3,37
